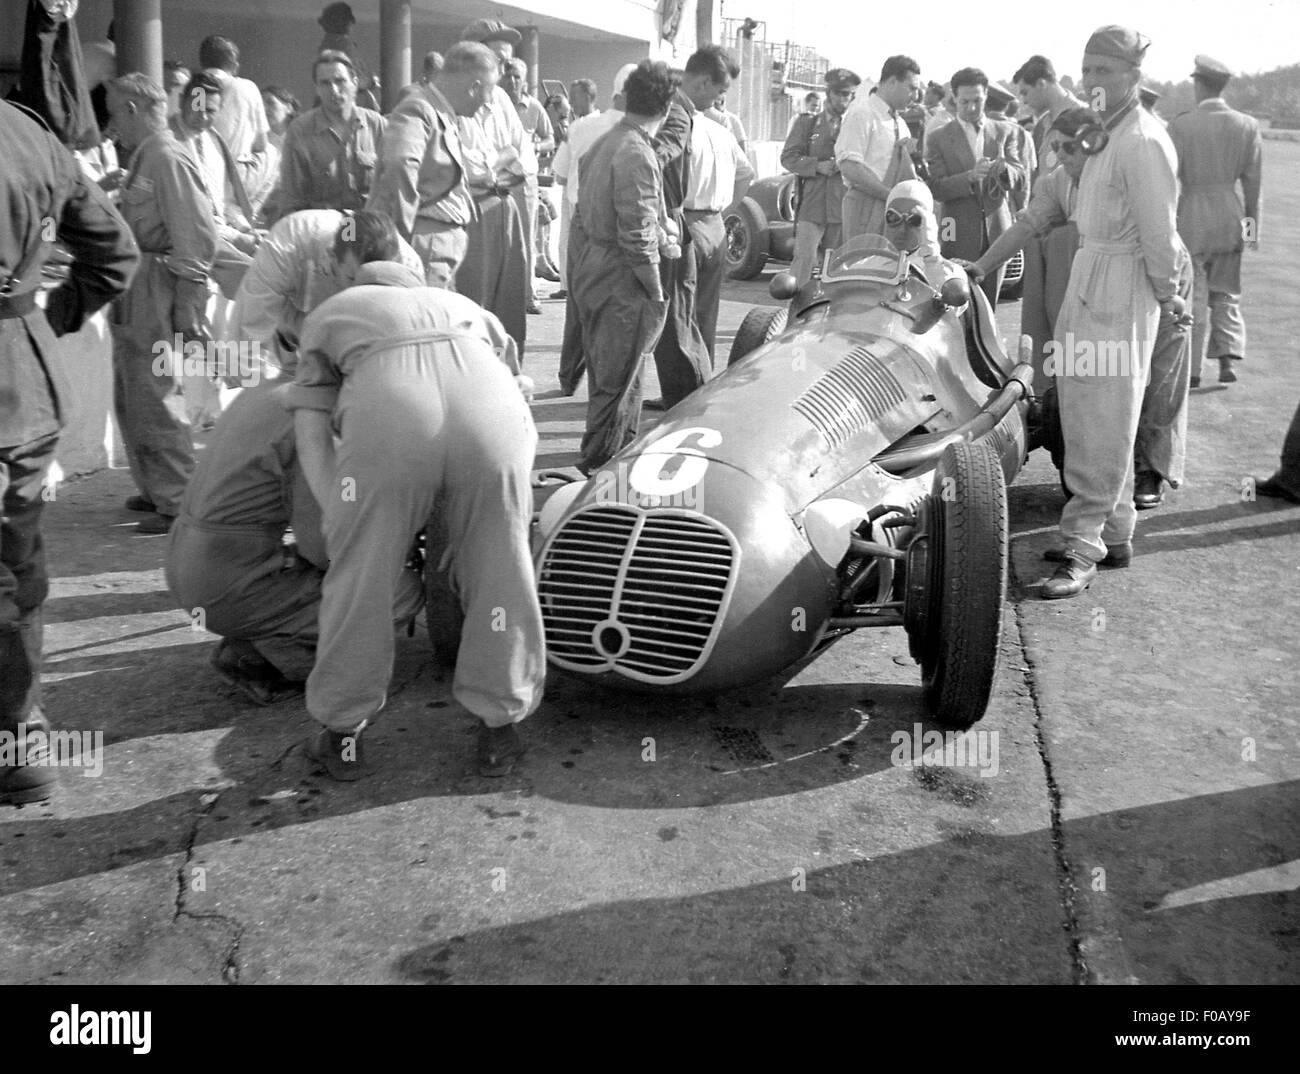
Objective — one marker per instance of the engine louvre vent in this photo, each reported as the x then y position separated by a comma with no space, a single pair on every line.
849,396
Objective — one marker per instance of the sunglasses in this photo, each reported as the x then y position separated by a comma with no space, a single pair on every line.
914,219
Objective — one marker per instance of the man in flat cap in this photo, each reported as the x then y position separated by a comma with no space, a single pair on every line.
1218,148
1125,275
337,21
499,163
809,152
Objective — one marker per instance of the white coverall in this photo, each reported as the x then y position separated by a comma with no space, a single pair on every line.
426,410
1129,260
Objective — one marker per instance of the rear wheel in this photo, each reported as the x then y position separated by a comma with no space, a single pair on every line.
761,325
954,609
746,227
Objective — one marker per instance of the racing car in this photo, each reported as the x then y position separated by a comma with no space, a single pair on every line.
843,473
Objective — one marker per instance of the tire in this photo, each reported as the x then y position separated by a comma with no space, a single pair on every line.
967,582
761,324
746,229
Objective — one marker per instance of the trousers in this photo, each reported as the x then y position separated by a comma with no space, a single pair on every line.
683,356
1110,309
494,273
1161,443
620,326
438,421
1219,331
810,238
23,581
150,408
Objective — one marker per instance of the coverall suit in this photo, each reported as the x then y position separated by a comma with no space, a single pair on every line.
615,283
1129,260
425,411
170,214
226,557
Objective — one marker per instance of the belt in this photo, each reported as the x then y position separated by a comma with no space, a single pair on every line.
269,529
12,306
701,212
1097,246
439,221
497,190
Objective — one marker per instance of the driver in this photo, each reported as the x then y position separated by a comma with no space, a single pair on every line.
910,224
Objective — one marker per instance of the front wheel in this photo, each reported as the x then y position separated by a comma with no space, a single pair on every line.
761,325
966,524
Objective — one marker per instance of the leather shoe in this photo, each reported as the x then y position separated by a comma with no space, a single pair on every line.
1194,382
156,523
534,307
140,503
499,750
546,272
1226,375
32,781
339,753
1148,491
1071,578
654,404
561,293
1272,487
1117,555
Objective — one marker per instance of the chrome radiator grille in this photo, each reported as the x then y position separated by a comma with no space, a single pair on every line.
641,592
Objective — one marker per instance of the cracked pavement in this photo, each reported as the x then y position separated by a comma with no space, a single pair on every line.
1142,826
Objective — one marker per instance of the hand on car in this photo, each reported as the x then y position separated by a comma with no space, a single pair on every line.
971,269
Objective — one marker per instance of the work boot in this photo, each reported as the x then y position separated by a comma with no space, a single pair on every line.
499,750
1117,555
33,780
1071,578
1273,487
340,753
155,524
241,665
1148,491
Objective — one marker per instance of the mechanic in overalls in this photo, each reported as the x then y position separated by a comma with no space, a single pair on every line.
1124,276
425,411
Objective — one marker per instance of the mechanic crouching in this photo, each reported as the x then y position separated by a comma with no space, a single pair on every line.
227,561
426,412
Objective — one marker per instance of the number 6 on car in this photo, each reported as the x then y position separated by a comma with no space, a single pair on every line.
668,466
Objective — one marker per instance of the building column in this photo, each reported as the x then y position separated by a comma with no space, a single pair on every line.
528,52
394,50
704,23
137,28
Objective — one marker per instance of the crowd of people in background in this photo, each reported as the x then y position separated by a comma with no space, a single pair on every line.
386,267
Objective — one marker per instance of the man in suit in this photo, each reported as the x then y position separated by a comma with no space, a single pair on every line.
809,152
974,164
1218,148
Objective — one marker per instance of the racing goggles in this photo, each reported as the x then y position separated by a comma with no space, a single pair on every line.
1089,141
913,219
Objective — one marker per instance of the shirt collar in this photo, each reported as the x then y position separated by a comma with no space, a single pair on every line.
387,274
686,103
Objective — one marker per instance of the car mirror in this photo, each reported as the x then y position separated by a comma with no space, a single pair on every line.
784,286
955,292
